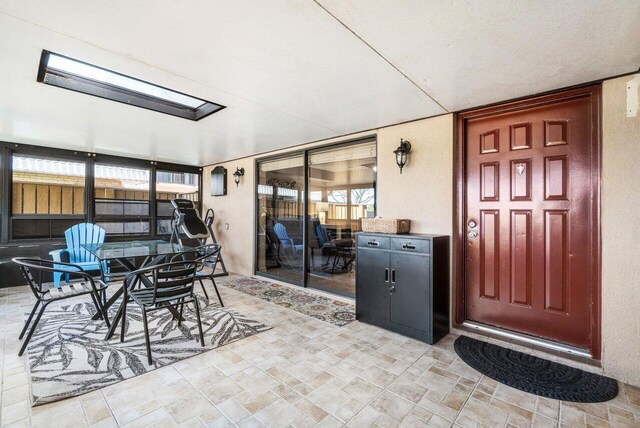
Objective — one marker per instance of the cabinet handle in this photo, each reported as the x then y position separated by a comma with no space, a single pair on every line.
408,246
373,243
386,275
393,276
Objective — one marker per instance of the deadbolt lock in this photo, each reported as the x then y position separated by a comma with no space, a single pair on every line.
472,224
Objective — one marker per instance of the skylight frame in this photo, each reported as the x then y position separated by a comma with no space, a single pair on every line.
66,79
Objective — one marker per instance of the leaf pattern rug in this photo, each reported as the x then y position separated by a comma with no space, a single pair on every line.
323,308
68,355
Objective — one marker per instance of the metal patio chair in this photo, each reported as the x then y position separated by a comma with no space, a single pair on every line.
203,254
171,287
36,270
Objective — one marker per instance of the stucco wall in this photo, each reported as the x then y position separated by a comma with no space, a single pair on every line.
423,192
620,235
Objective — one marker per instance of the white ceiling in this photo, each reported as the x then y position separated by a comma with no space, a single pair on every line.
293,71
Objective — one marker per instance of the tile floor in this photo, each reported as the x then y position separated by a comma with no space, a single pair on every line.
302,373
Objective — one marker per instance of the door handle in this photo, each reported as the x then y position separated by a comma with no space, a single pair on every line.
473,234
393,276
386,275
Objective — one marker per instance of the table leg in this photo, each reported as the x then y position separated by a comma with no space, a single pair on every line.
130,267
142,279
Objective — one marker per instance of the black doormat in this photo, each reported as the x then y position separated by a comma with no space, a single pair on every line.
535,375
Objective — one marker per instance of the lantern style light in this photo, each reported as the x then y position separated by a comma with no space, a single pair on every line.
236,175
402,153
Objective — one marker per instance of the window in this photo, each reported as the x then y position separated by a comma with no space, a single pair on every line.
47,196
363,203
69,73
171,185
122,199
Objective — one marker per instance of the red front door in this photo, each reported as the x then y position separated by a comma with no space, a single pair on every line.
530,215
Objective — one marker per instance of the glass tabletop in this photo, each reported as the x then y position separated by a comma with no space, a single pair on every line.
125,249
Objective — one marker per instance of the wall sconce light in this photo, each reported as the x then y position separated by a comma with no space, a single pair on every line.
402,153
236,175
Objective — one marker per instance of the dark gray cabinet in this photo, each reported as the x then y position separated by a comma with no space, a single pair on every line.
402,283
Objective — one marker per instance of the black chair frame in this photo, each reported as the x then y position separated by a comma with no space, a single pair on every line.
204,253
173,284
45,296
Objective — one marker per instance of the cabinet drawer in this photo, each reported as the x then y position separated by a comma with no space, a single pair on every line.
373,241
409,245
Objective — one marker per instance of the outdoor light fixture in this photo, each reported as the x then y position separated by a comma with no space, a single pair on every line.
402,153
236,175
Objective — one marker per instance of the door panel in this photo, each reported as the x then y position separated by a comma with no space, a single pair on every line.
529,210
373,284
410,299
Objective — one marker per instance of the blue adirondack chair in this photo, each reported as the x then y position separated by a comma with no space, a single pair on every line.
83,233
285,241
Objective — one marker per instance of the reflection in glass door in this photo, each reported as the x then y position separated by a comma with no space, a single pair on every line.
280,218
342,183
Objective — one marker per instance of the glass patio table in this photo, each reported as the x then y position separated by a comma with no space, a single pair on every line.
134,255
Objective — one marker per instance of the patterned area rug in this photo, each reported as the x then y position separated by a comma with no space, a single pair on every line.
323,308
68,356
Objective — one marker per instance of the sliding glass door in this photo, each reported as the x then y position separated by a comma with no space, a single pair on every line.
309,207
342,190
280,218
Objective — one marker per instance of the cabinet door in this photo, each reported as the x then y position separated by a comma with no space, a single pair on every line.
410,304
372,288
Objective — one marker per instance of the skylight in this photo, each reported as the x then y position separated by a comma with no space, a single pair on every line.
69,73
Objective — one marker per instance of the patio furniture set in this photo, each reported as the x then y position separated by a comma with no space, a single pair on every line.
156,275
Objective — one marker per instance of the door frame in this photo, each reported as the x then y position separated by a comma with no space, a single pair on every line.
304,151
459,197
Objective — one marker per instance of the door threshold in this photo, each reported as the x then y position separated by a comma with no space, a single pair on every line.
537,341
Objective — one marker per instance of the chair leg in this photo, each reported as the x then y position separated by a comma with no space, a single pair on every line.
146,335
56,279
95,303
197,307
215,287
102,310
26,325
181,310
33,328
123,319
203,289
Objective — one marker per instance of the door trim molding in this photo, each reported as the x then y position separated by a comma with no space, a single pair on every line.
459,192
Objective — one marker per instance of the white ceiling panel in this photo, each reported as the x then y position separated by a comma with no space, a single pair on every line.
287,72
293,71
471,53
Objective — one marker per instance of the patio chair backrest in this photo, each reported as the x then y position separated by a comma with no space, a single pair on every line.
322,235
176,282
202,254
80,234
281,232
171,281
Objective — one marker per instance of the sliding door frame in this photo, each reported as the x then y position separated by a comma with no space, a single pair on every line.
305,202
